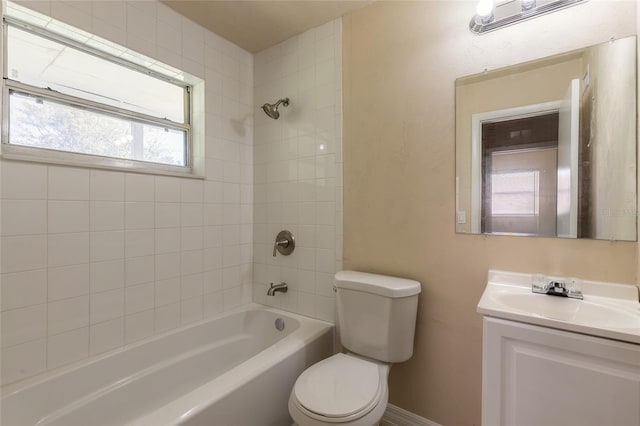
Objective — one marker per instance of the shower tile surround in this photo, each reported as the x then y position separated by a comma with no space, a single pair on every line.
93,260
298,170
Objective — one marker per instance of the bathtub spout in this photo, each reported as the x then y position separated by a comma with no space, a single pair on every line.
273,288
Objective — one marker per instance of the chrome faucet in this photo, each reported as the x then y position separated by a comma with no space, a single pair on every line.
556,287
273,288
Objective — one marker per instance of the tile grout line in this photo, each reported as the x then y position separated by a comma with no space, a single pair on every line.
46,346
90,267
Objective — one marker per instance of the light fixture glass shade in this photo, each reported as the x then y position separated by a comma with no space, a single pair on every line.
484,9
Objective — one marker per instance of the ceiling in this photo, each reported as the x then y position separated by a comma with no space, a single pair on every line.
258,24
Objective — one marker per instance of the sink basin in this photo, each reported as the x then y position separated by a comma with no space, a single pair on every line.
588,312
508,296
559,308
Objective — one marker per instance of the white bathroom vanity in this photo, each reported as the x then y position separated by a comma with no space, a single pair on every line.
550,360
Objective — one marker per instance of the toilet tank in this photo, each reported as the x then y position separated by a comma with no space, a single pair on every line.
377,314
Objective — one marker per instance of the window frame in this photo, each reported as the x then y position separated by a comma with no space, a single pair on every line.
37,154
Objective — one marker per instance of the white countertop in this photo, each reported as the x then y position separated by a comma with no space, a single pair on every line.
608,310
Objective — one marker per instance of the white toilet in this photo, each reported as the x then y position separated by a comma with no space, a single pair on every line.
377,318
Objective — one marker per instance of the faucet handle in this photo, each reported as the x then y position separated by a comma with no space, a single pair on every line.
539,284
285,243
278,244
575,289
547,285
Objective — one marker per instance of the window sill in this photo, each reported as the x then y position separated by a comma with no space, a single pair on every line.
39,155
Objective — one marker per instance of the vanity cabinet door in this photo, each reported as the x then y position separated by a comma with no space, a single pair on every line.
538,376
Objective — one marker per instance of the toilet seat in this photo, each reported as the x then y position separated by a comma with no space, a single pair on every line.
340,389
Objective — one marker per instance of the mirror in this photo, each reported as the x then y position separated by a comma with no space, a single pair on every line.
548,148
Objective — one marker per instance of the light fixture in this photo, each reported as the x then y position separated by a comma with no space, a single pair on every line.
490,16
484,11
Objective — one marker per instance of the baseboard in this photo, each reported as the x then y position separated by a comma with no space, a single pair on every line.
396,416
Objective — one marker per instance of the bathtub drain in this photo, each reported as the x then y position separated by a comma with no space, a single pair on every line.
280,324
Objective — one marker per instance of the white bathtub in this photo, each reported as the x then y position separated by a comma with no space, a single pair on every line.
235,369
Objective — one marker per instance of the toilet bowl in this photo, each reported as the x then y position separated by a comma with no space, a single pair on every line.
376,316
343,389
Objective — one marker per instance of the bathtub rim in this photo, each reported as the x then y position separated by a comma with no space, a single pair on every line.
14,387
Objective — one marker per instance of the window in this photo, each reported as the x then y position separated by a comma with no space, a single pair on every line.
66,94
515,193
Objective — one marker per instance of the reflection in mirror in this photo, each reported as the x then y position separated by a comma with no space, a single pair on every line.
548,148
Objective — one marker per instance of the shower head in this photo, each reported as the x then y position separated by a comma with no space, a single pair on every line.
272,109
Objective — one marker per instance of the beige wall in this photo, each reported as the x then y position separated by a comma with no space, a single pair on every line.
638,118
400,63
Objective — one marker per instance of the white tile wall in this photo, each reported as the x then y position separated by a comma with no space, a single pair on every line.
298,170
92,259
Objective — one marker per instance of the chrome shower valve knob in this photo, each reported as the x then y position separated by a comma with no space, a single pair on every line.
284,244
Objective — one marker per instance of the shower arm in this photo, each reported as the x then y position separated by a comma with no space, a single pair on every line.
284,101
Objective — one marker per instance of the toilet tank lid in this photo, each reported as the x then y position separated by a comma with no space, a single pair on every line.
382,285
